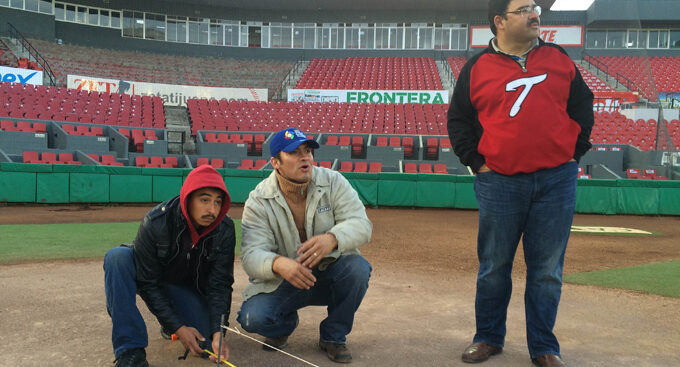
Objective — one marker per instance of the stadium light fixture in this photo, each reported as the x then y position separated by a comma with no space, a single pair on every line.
561,5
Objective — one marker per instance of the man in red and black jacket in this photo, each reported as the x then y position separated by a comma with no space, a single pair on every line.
520,117
182,265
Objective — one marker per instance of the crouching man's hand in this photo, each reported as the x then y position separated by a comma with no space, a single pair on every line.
298,275
224,352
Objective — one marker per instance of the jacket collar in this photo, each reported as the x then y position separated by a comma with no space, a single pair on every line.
271,189
493,48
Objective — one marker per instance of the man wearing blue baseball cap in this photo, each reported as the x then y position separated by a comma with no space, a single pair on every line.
301,229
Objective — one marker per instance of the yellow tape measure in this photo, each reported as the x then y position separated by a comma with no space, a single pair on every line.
222,360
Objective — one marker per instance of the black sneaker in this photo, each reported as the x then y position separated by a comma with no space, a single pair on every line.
135,357
279,343
165,334
336,352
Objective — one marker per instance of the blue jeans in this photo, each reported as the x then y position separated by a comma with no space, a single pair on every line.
539,207
341,287
129,330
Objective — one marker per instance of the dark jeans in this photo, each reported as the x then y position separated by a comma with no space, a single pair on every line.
539,207
341,287
129,330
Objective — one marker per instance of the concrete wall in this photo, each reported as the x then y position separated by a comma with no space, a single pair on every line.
30,24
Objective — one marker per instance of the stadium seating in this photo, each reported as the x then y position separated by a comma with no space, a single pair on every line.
250,164
615,128
215,162
48,158
339,118
372,73
106,159
61,104
140,66
23,126
456,64
594,82
651,74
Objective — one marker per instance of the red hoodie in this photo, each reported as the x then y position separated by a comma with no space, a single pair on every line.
199,178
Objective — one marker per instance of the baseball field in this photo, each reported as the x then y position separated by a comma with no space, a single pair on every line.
620,302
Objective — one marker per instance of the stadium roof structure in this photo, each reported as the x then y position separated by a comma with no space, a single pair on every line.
372,5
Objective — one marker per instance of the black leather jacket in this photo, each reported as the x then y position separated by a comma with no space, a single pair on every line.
163,254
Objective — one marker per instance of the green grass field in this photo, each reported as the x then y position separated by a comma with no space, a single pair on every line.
21,243
661,278
38,242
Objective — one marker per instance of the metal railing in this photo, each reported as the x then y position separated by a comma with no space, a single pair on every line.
624,81
14,33
278,95
598,65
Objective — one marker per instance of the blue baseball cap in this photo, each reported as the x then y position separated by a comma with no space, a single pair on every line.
288,140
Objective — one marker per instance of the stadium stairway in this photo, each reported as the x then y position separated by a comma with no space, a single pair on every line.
445,76
605,77
291,80
177,123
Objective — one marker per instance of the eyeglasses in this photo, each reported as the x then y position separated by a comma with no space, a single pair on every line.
526,10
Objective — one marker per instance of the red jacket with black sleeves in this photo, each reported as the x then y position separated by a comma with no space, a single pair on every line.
520,120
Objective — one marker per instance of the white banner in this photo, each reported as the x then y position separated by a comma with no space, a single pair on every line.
172,95
23,76
563,35
368,96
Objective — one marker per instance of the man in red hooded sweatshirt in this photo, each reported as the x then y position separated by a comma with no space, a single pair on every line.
182,265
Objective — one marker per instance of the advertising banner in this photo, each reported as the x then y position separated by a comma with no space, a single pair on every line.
671,100
368,96
563,35
172,95
611,101
23,76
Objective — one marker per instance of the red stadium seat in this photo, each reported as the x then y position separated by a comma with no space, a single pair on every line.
361,166
346,166
24,126
247,164
217,163
156,162
425,168
633,173
30,157
326,164
375,167
7,125
141,161
171,161
69,129
39,127
410,168
440,168
49,158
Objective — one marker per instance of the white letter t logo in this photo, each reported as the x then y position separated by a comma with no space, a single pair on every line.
528,83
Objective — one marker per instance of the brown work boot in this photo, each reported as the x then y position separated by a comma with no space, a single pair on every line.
278,343
479,352
548,360
336,352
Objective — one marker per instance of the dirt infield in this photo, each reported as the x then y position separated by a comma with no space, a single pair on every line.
419,310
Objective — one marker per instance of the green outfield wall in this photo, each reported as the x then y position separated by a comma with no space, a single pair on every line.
61,184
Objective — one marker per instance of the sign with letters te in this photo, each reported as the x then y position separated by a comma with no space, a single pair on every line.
563,35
